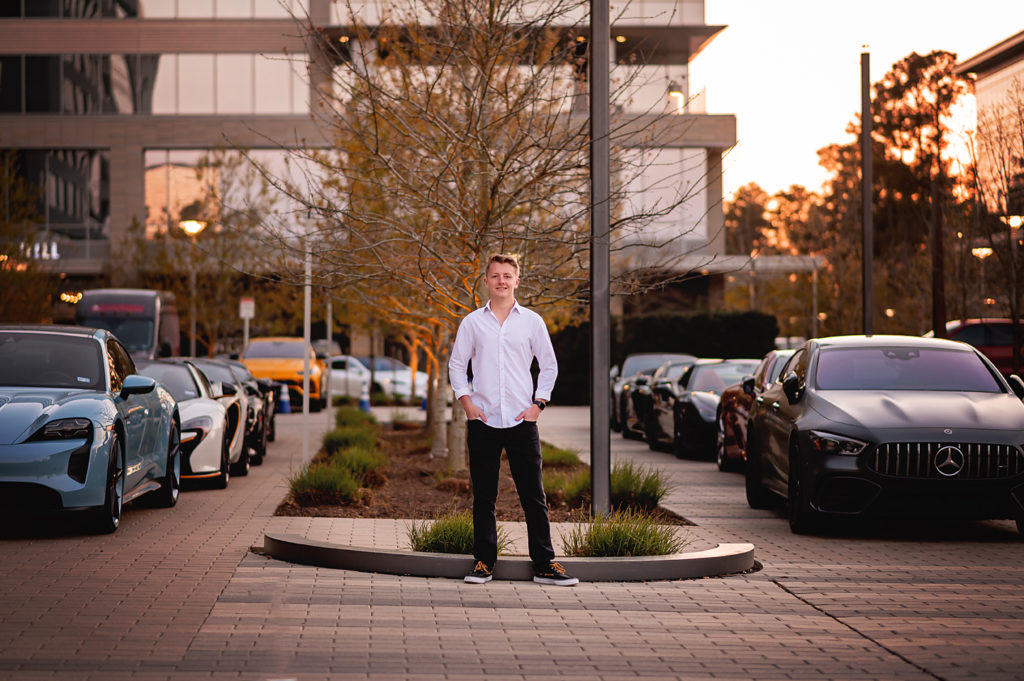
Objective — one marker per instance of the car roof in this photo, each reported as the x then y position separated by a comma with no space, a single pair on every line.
277,339
879,340
66,330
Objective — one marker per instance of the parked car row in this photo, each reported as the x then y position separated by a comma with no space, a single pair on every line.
671,400
848,426
84,429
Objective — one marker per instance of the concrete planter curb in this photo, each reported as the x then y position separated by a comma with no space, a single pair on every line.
724,559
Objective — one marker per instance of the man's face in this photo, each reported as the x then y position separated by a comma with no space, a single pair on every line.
501,280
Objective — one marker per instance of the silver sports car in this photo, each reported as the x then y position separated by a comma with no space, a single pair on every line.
80,430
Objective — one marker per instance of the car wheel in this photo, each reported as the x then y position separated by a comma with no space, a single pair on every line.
222,480
802,518
260,449
757,496
108,516
1020,525
242,466
651,433
721,457
170,484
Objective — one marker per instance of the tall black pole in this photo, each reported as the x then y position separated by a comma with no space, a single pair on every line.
867,204
600,316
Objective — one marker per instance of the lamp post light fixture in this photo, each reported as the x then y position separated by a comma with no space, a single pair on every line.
192,228
982,252
678,97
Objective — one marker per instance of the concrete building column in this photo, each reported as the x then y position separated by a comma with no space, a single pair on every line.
127,204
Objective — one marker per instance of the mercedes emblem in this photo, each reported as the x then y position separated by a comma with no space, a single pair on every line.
949,461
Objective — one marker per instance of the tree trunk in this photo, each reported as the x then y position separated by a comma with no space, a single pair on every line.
439,445
457,446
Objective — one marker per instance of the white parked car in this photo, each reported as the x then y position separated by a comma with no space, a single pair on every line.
349,374
210,424
399,375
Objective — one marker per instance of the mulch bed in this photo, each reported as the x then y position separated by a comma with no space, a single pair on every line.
419,487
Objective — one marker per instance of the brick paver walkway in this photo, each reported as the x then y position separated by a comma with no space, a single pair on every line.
176,595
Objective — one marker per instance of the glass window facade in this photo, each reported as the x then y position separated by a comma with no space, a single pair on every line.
73,186
204,84
224,84
152,9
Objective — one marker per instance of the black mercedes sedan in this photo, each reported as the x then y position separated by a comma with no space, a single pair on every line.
884,425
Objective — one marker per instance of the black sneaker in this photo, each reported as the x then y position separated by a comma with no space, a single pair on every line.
554,573
481,574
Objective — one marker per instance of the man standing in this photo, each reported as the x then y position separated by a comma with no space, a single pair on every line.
502,339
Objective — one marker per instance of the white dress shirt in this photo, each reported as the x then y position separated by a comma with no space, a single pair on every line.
502,354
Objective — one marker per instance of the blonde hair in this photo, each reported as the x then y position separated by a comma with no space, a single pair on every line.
504,259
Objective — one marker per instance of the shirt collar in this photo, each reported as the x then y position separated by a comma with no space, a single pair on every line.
515,307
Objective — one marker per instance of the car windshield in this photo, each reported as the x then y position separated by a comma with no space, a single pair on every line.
50,360
635,364
175,377
903,368
716,377
384,364
216,372
279,349
135,334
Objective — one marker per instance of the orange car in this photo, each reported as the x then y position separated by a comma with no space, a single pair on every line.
281,359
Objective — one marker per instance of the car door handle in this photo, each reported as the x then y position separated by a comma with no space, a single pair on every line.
775,406
760,400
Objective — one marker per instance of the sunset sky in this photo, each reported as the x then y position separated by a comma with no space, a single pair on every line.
790,70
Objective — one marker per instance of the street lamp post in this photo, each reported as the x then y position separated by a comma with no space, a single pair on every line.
192,228
982,252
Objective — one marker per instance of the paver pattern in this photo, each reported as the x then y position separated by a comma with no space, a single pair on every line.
176,594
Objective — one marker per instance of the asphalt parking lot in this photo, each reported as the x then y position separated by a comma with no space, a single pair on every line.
176,594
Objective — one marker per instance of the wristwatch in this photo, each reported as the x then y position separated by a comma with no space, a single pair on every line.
539,404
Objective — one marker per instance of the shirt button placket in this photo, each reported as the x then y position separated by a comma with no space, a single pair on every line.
501,373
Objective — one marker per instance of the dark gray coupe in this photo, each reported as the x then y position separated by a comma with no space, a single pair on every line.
860,425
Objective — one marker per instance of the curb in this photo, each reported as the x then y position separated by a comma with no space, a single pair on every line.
724,559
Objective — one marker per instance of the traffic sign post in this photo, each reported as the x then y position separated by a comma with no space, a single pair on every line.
246,310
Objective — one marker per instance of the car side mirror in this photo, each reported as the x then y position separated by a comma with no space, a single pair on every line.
1017,385
613,373
227,390
748,385
791,387
137,385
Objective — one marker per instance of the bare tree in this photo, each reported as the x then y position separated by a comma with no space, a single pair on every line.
457,129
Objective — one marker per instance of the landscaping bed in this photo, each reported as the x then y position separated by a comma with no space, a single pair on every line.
416,486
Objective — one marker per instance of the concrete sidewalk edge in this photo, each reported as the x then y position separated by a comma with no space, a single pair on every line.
724,559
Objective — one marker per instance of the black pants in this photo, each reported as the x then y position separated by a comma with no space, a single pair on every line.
522,446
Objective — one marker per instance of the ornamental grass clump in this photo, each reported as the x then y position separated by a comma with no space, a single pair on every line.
353,416
344,437
323,485
637,487
451,532
557,457
366,464
622,534
571,487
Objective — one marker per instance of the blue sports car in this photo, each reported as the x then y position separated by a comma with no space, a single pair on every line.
80,430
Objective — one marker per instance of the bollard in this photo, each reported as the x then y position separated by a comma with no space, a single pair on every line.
364,396
285,405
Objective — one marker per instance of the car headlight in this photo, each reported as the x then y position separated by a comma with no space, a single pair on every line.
63,429
829,443
196,429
